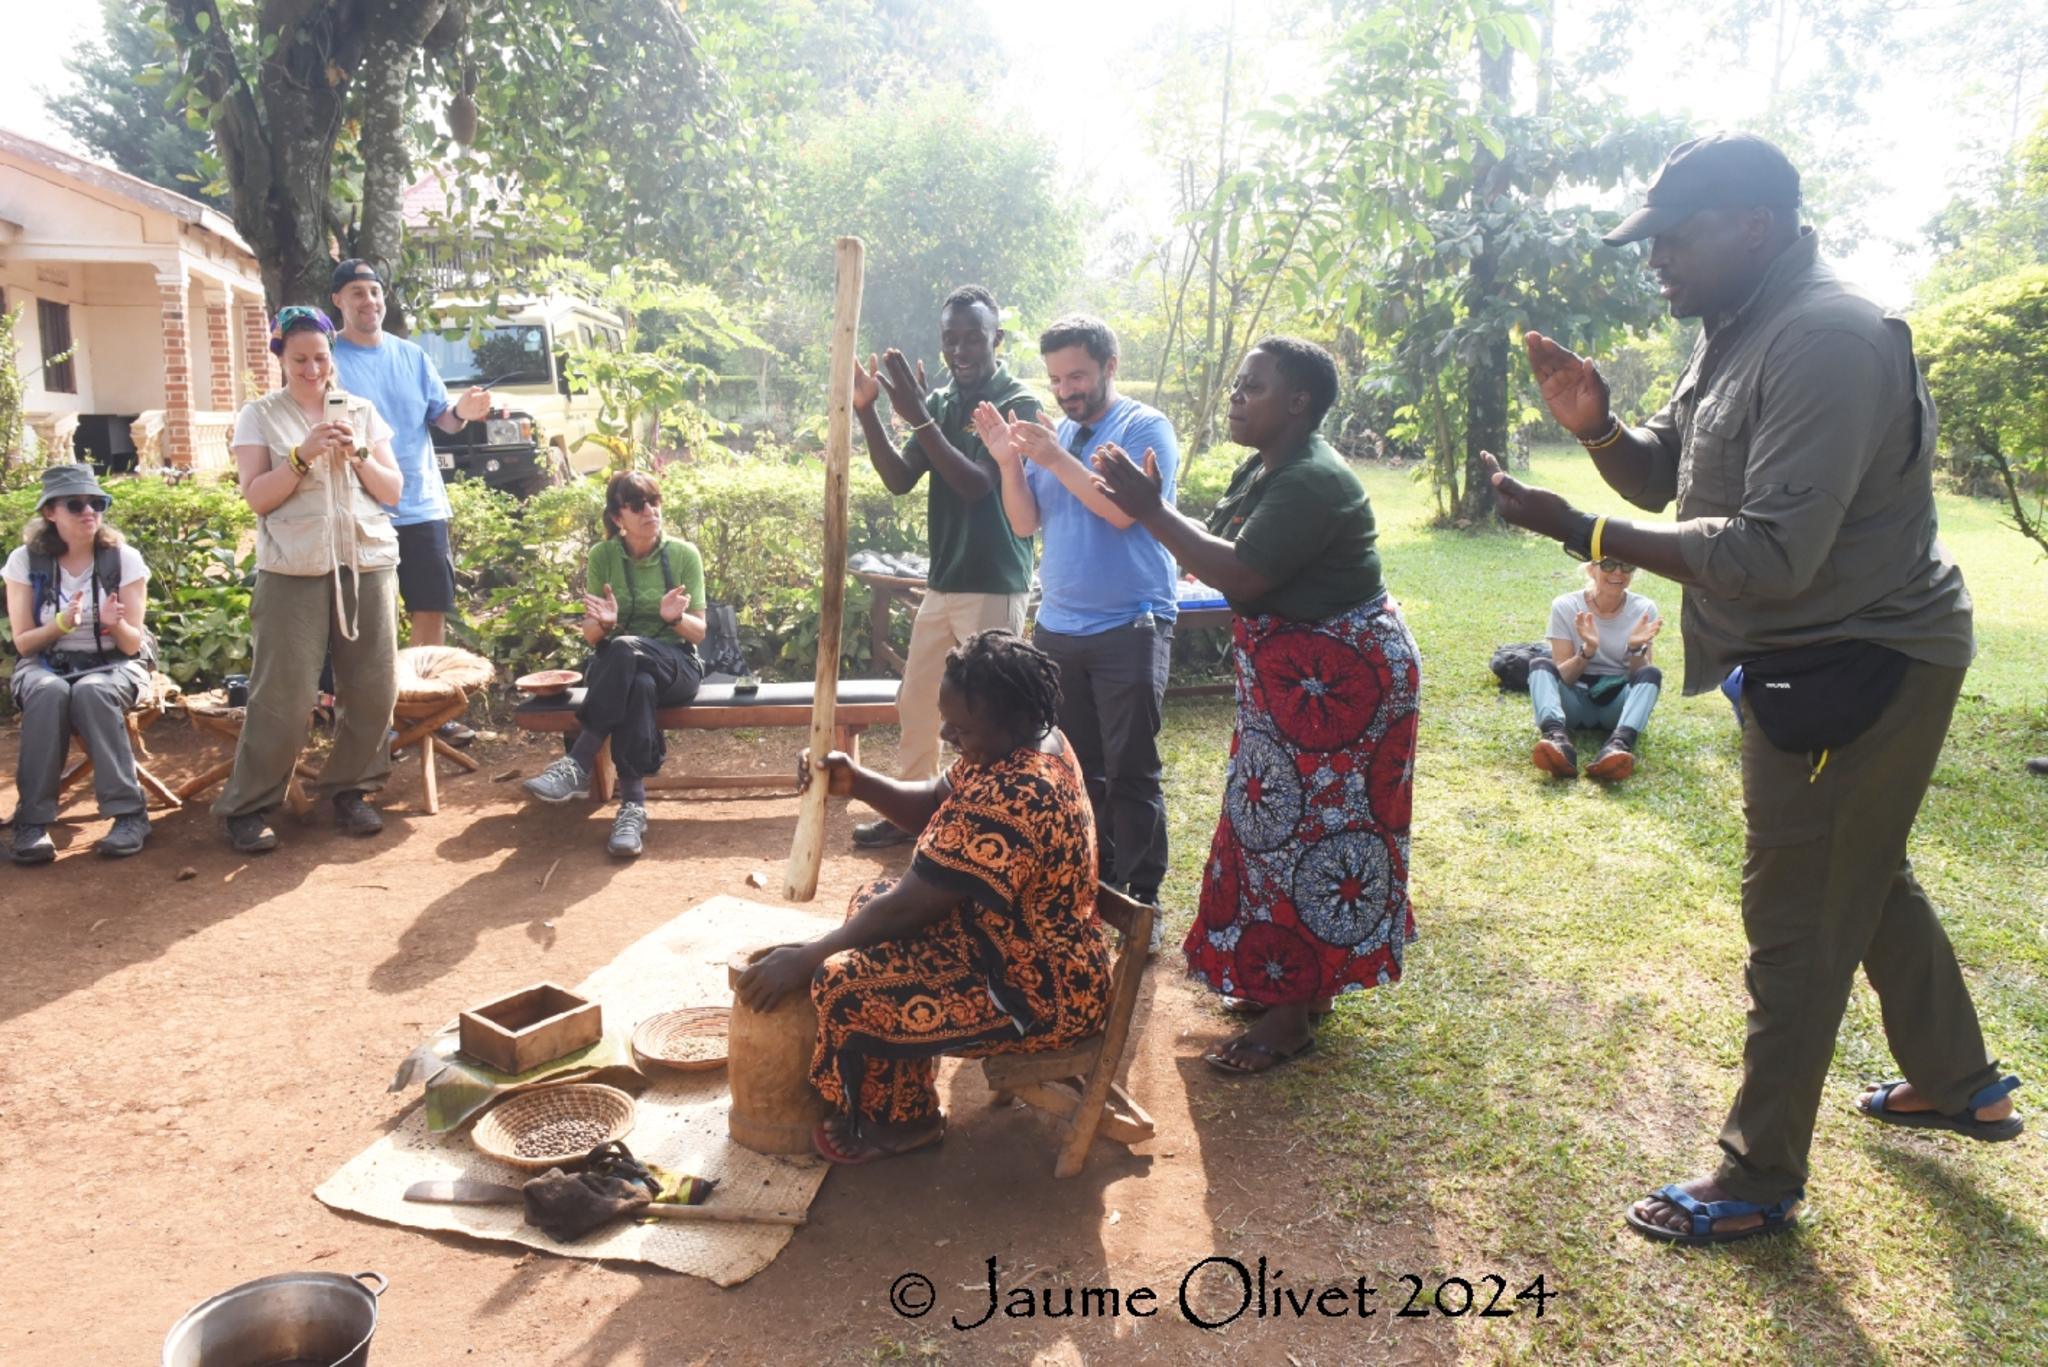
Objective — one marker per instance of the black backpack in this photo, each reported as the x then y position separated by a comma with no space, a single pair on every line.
1510,664
45,589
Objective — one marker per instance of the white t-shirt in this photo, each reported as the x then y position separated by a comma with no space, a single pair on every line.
70,586
249,428
1612,656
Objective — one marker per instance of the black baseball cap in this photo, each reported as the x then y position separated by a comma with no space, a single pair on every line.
1719,171
355,268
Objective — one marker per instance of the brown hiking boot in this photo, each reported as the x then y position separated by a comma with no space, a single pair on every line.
1554,754
1617,759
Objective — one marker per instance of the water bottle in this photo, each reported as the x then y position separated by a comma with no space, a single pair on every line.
1146,622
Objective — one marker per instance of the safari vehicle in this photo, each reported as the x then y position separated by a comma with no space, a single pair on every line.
534,437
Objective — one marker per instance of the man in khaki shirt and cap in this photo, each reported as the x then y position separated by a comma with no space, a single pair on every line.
1799,448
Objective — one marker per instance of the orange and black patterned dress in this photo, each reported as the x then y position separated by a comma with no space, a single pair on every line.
1020,966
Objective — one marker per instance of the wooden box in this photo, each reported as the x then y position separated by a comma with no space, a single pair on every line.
534,1025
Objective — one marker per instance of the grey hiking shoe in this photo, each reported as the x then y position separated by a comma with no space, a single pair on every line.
130,830
560,782
354,815
627,829
32,845
250,833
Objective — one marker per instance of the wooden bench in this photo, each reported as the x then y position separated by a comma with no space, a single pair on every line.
861,703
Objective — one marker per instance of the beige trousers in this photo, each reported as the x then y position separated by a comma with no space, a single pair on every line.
943,621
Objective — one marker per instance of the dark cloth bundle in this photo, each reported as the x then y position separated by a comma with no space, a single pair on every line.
612,1186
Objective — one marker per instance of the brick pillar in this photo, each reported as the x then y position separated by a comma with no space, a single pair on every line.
220,358
256,357
177,445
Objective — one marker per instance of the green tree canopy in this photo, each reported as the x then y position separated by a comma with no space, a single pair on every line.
944,195
117,117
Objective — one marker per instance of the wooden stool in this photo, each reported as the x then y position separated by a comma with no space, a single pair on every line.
210,715
434,683
1099,1104
149,706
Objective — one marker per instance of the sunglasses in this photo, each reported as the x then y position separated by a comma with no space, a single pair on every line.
99,503
634,504
1610,565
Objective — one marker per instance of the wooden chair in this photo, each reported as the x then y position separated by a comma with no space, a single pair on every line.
1079,1084
434,684
148,708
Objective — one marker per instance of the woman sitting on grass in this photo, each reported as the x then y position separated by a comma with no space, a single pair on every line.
988,944
638,591
1599,674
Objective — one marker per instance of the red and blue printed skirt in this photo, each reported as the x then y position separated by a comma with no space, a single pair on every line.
1305,894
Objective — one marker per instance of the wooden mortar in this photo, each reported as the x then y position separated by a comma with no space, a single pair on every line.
768,1063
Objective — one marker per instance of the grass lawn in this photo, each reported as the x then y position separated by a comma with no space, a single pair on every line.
1569,1033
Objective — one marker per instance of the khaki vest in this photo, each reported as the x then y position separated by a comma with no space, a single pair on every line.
330,520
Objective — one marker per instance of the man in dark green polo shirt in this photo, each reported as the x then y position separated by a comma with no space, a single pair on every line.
981,570
1799,447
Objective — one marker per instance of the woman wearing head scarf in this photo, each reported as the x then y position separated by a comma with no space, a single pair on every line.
76,597
1306,890
316,465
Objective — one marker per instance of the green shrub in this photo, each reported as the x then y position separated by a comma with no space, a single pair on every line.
1986,354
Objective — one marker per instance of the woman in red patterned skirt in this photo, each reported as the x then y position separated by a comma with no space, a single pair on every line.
988,944
1305,894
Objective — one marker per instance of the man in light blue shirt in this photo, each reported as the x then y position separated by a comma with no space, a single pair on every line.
399,380
1108,603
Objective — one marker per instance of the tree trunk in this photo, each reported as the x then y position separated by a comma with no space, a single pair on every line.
399,27
276,127
1486,383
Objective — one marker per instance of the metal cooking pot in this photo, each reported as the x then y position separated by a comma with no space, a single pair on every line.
295,1319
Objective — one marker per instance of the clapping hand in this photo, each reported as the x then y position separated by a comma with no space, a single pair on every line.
674,604
1522,505
113,612
603,613
1135,492
867,384
904,387
996,433
1589,633
74,611
1571,386
1038,440
1645,632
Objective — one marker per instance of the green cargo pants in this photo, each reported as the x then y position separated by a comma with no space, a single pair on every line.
292,624
1826,886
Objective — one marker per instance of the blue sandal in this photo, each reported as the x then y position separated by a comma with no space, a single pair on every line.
1963,1122
1777,1218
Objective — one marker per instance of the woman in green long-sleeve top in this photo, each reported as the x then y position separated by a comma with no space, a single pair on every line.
638,595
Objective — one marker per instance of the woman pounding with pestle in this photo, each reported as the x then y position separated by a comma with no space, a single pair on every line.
988,944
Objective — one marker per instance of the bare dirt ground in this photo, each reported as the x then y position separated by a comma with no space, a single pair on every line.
183,1061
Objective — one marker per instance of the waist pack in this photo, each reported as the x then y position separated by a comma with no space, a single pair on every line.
1821,697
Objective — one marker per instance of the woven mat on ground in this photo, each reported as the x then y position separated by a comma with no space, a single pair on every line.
679,1123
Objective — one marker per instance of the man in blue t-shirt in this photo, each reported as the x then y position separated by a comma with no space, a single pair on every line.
396,377
1108,604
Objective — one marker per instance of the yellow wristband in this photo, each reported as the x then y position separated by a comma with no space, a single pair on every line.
1607,439
1599,526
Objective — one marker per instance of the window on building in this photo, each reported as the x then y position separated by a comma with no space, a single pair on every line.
55,321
